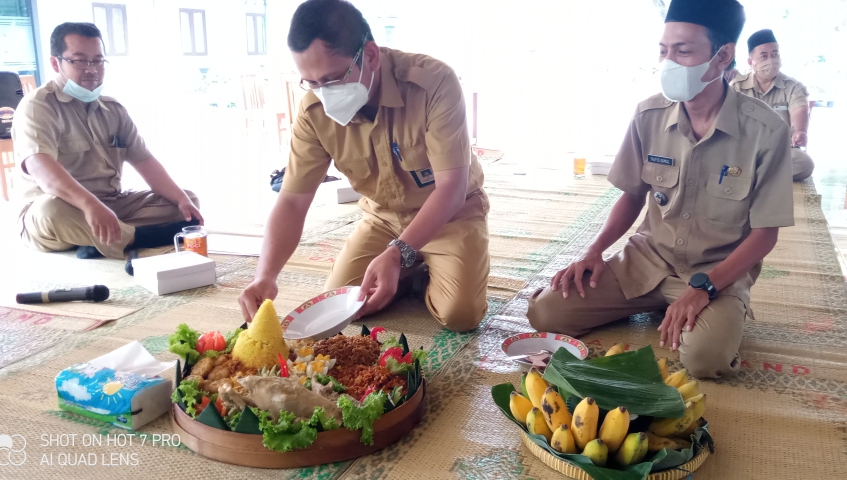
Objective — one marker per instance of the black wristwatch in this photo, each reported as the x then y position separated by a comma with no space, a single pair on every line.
408,255
701,281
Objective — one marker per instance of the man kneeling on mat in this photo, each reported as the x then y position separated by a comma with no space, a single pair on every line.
70,144
715,165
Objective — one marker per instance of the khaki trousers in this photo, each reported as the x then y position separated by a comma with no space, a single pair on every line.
802,165
710,350
50,224
457,258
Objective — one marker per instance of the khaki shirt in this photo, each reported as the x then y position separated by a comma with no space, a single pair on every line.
706,216
784,95
421,111
81,137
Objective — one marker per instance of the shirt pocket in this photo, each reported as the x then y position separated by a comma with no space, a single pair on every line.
663,179
355,168
415,161
728,200
74,145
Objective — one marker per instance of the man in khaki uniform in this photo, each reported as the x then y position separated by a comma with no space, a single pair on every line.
788,97
712,165
395,125
70,145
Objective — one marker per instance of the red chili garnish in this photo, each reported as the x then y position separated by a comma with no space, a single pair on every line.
283,366
369,391
376,331
395,352
408,358
203,404
219,404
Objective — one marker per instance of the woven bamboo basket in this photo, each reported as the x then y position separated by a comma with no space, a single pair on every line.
577,473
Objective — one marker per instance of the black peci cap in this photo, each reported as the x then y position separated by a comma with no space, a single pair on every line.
759,38
724,16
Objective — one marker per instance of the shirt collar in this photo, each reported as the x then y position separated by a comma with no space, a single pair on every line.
726,121
389,92
750,82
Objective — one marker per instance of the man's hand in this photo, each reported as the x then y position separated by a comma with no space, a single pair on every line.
799,139
682,313
189,210
251,298
103,222
591,261
380,282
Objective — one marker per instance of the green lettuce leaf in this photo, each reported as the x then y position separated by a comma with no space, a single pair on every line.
190,390
230,338
285,434
399,368
336,385
391,342
363,417
183,343
232,418
320,418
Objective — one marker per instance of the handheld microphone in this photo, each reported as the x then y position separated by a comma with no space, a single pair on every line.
97,293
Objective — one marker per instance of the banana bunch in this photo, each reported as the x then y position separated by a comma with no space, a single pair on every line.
544,412
676,432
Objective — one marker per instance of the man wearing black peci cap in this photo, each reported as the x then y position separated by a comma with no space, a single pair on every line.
788,97
713,166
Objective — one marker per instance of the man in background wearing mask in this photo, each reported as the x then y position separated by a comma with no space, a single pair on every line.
788,97
70,145
712,165
395,125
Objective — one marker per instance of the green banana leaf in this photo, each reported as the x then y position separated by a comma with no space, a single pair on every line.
668,458
501,393
631,379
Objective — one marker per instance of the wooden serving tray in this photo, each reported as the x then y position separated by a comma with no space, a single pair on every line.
577,473
333,446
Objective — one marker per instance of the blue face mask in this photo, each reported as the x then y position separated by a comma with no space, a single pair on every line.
81,93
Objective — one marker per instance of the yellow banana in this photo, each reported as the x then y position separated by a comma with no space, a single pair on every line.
535,386
656,443
584,425
536,425
614,428
555,411
694,409
689,390
691,428
633,450
615,349
597,451
563,440
520,406
663,367
677,379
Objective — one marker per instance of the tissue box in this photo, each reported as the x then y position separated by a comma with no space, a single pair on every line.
602,167
119,388
174,272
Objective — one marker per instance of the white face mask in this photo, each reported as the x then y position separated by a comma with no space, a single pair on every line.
341,102
768,69
681,83
79,92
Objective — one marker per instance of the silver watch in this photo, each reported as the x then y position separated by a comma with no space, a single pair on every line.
408,255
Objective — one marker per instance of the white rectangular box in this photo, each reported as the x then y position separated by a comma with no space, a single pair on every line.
174,272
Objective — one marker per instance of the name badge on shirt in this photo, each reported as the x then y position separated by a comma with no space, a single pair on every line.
780,107
660,160
423,177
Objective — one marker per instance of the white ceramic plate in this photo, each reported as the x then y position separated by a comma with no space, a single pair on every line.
528,343
323,316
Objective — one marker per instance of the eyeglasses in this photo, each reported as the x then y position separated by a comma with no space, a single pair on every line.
85,64
312,85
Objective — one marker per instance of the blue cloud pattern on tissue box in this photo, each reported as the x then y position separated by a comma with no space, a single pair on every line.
103,394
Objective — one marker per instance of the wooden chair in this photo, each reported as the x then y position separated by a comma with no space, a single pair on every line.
28,83
7,161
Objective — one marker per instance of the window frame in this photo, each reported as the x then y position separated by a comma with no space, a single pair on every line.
256,38
109,47
194,52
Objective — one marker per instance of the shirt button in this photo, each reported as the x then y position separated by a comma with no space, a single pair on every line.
686,216
749,108
660,178
680,241
728,191
393,196
681,269
384,164
691,183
